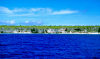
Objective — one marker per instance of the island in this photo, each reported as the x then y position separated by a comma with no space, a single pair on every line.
51,29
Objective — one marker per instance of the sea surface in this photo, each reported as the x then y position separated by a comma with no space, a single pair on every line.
49,46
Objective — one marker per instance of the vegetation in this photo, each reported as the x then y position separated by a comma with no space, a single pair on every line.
34,30
99,30
43,29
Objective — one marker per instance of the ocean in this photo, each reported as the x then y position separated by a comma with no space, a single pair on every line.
49,46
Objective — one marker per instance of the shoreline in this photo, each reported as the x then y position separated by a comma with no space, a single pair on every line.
49,33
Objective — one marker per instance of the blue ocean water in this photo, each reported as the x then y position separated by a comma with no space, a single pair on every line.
49,46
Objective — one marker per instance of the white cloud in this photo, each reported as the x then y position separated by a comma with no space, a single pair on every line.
64,12
5,10
18,10
9,22
12,22
28,14
26,21
33,11
40,9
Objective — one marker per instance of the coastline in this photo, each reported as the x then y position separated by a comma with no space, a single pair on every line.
50,30
49,33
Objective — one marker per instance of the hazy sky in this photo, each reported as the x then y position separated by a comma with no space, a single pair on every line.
49,12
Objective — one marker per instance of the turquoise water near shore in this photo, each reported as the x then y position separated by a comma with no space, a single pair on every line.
49,46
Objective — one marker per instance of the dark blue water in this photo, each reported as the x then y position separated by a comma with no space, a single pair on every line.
49,46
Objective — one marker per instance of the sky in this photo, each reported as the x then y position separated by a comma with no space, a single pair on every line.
49,12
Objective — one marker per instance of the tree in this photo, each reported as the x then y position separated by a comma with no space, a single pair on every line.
2,32
66,29
34,30
78,29
99,30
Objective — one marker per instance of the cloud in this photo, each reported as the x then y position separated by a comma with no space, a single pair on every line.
18,10
7,22
64,12
5,10
12,22
27,22
33,11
